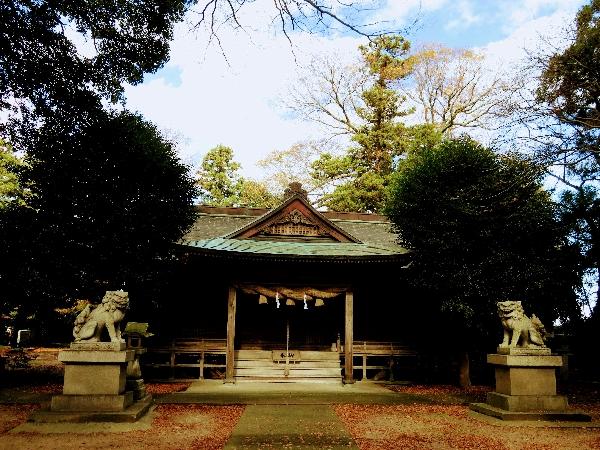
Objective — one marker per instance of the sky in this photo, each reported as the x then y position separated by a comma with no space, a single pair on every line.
232,94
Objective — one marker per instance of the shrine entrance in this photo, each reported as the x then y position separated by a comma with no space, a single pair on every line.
282,334
262,325
290,275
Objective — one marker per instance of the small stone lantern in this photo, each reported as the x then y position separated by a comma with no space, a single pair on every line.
135,331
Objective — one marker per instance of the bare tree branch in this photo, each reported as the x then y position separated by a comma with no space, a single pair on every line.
296,15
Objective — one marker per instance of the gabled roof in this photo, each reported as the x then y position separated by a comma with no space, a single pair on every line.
293,231
294,211
213,222
317,250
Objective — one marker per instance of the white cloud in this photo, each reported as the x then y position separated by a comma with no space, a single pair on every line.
537,34
232,103
528,10
466,16
401,12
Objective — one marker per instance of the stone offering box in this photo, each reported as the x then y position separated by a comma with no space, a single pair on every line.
526,387
94,386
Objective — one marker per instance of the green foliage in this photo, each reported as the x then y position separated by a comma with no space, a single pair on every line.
360,187
362,175
39,63
570,80
569,86
111,198
580,215
221,184
570,91
366,192
12,193
387,61
218,177
482,230
254,194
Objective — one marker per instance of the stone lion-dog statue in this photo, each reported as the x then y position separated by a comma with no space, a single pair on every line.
520,330
90,322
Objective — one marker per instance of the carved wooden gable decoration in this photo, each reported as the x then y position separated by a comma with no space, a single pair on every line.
295,219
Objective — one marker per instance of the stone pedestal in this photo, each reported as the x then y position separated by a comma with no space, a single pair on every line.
94,386
526,387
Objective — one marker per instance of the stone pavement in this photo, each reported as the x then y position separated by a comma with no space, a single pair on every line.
290,426
215,392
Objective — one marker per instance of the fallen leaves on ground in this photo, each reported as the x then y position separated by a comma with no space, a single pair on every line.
208,426
48,388
445,393
419,426
438,389
176,427
14,415
166,388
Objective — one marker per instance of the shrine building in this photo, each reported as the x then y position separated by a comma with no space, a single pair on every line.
277,294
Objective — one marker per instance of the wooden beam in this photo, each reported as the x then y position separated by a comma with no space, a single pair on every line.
348,338
230,357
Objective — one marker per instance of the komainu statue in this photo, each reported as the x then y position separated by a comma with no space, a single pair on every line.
93,319
520,330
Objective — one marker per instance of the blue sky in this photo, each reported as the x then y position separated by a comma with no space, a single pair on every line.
202,99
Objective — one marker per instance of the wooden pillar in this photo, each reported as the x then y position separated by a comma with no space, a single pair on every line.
348,338
201,366
230,358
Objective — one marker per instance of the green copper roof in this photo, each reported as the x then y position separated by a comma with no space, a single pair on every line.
345,250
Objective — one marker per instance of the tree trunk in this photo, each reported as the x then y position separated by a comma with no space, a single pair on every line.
464,375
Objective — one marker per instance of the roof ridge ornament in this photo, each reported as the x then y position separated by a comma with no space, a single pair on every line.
295,189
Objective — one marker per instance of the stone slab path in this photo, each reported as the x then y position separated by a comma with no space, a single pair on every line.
215,392
290,426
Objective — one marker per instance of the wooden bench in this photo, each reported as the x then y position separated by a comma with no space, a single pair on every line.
181,347
372,349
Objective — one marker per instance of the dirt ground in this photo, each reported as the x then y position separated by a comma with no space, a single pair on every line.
444,423
375,427
177,427
372,427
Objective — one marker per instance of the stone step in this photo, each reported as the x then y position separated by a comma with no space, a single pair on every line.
293,372
247,363
328,380
306,355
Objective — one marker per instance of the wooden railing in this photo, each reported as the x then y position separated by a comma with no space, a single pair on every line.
379,355
187,353
201,353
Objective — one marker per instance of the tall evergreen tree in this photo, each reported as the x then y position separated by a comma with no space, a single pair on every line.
363,173
221,184
482,230
110,200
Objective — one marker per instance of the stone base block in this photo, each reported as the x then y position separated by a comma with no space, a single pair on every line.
567,416
130,414
94,379
95,356
524,360
523,403
91,402
526,380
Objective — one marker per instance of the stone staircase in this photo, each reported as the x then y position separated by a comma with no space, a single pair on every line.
306,366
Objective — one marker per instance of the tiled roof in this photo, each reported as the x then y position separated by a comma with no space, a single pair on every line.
346,250
369,229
